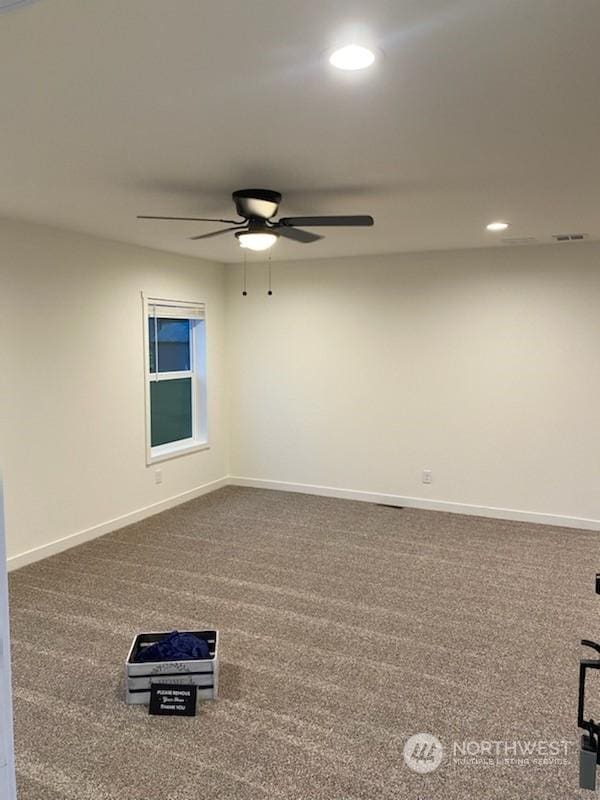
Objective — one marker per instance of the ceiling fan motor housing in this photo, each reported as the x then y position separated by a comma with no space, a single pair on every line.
256,203
257,226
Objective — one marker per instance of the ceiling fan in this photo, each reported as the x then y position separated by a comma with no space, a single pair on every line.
258,231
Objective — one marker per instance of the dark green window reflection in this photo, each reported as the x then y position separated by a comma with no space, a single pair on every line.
171,410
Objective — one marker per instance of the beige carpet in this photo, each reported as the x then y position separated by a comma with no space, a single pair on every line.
345,628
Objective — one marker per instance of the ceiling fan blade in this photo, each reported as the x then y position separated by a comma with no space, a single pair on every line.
215,233
192,219
296,234
311,222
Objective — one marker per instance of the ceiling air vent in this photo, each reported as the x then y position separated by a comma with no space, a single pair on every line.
9,5
569,237
516,240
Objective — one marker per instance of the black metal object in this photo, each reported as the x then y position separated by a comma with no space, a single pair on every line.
311,222
593,728
589,752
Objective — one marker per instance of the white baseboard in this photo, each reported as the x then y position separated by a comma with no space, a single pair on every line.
421,502
73,539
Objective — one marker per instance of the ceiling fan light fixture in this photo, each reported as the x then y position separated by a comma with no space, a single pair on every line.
352,57
257,230
256,241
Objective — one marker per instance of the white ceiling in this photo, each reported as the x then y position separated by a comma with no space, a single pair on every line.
479,110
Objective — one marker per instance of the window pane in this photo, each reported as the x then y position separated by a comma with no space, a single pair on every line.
170,410
173,344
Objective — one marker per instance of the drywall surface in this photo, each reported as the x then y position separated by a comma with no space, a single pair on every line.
72,416
482,366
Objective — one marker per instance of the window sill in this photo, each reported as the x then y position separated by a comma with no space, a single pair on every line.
175,449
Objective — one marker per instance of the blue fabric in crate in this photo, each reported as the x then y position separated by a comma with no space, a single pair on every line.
175,647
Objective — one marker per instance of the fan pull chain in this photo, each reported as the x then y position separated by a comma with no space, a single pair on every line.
244,290
270,292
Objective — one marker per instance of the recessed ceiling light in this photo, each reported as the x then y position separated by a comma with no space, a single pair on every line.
256,241
352,57
497,226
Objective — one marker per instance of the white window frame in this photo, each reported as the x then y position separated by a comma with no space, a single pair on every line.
197,372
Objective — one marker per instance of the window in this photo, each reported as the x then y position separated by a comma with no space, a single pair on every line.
175,378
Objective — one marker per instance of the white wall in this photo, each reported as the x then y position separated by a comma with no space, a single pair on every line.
72,431
482,365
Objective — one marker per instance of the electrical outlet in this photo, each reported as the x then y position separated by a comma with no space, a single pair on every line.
427,476
157,476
